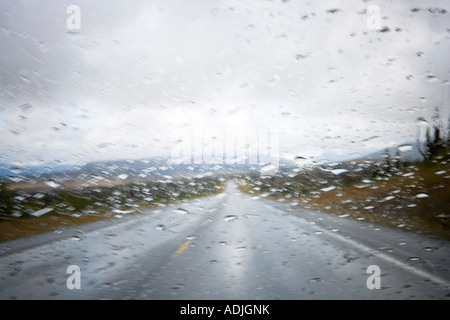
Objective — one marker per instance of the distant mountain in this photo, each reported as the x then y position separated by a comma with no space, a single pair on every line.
14,170
120,169
124,169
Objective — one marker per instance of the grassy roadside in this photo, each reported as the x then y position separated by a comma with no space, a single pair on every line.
83,212
414,199
30,226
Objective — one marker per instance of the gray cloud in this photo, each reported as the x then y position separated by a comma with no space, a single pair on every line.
138,74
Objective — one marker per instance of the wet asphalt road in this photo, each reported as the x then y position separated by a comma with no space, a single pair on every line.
228,246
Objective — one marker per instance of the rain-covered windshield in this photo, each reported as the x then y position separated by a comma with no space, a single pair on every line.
224,150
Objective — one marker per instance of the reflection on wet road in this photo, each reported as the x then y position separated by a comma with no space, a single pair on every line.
228,246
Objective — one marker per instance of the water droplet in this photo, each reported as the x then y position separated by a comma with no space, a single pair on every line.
427,249
333,11
432,79
388,198
413,259
42,212
300,56
229,218
177,287
76,238
160,227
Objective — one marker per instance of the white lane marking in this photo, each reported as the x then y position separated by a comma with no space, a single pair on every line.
393,260
377,253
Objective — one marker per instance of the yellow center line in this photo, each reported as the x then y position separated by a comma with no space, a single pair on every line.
186,244
181,248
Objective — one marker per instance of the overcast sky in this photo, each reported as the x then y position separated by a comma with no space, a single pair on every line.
138,75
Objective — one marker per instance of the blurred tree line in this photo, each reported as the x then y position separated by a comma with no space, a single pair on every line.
435,137
96,200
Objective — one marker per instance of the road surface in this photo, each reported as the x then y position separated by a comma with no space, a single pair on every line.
228,246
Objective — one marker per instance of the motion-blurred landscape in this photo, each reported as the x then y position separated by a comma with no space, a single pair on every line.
229,149
405,187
